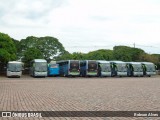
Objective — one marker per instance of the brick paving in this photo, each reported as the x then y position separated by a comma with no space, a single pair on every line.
80,94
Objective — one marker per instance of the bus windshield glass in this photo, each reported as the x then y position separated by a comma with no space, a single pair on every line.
16,67
137,68
41,66
150,68
53,65
74,65
92,65
105,67
121,67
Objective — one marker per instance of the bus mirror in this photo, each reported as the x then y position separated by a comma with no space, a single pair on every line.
155,66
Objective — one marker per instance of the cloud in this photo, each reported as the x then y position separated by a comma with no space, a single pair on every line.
84,22
26,11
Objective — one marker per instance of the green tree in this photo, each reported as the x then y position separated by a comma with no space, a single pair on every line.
65,56
126,53
7,48
30,54
158,58
17,45
149,58
101,54
50,47
78,56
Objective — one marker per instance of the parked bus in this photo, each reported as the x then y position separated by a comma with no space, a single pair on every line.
69,67
38,68
89,68
119,68
53,69
148,69
134,69
14,69
104,68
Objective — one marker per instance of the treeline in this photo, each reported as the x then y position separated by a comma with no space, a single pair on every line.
50,48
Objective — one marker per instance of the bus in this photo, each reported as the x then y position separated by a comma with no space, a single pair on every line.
104,68
53,69
88,68
14,69
119,68
134,69
38,68
69,67
149,68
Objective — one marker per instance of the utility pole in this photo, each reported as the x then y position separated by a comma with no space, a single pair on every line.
134,45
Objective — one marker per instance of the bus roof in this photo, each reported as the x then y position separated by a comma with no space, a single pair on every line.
102,61
117,62
147,63
52,62
135,63
39,60
65,61
88,60
14,62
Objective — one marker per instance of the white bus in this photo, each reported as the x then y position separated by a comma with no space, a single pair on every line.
134,69
14,69
38,67
104,68
149,68
119,68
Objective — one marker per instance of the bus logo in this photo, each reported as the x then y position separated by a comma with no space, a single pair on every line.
6,114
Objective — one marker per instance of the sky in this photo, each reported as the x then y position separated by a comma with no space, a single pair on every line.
85,25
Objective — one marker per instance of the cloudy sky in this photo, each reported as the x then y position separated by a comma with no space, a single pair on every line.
85,25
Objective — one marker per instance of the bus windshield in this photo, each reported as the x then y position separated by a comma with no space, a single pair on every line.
137,68
74,65
16,67
150,68
121,67
92,65
105,67
41,66
53,65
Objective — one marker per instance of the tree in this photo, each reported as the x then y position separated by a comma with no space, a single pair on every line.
158,62
78,56
17,45
30,54
122,53
65,56
50,47
101,54
126,53
7,48
149,58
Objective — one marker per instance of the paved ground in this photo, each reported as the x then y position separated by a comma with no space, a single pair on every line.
80,94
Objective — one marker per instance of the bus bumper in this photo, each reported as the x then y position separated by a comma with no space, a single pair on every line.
91,74
40,74
105,74
14,74
53,73
138,74
150,73
74,74
121,73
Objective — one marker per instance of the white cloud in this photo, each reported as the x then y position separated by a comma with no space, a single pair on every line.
85,22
